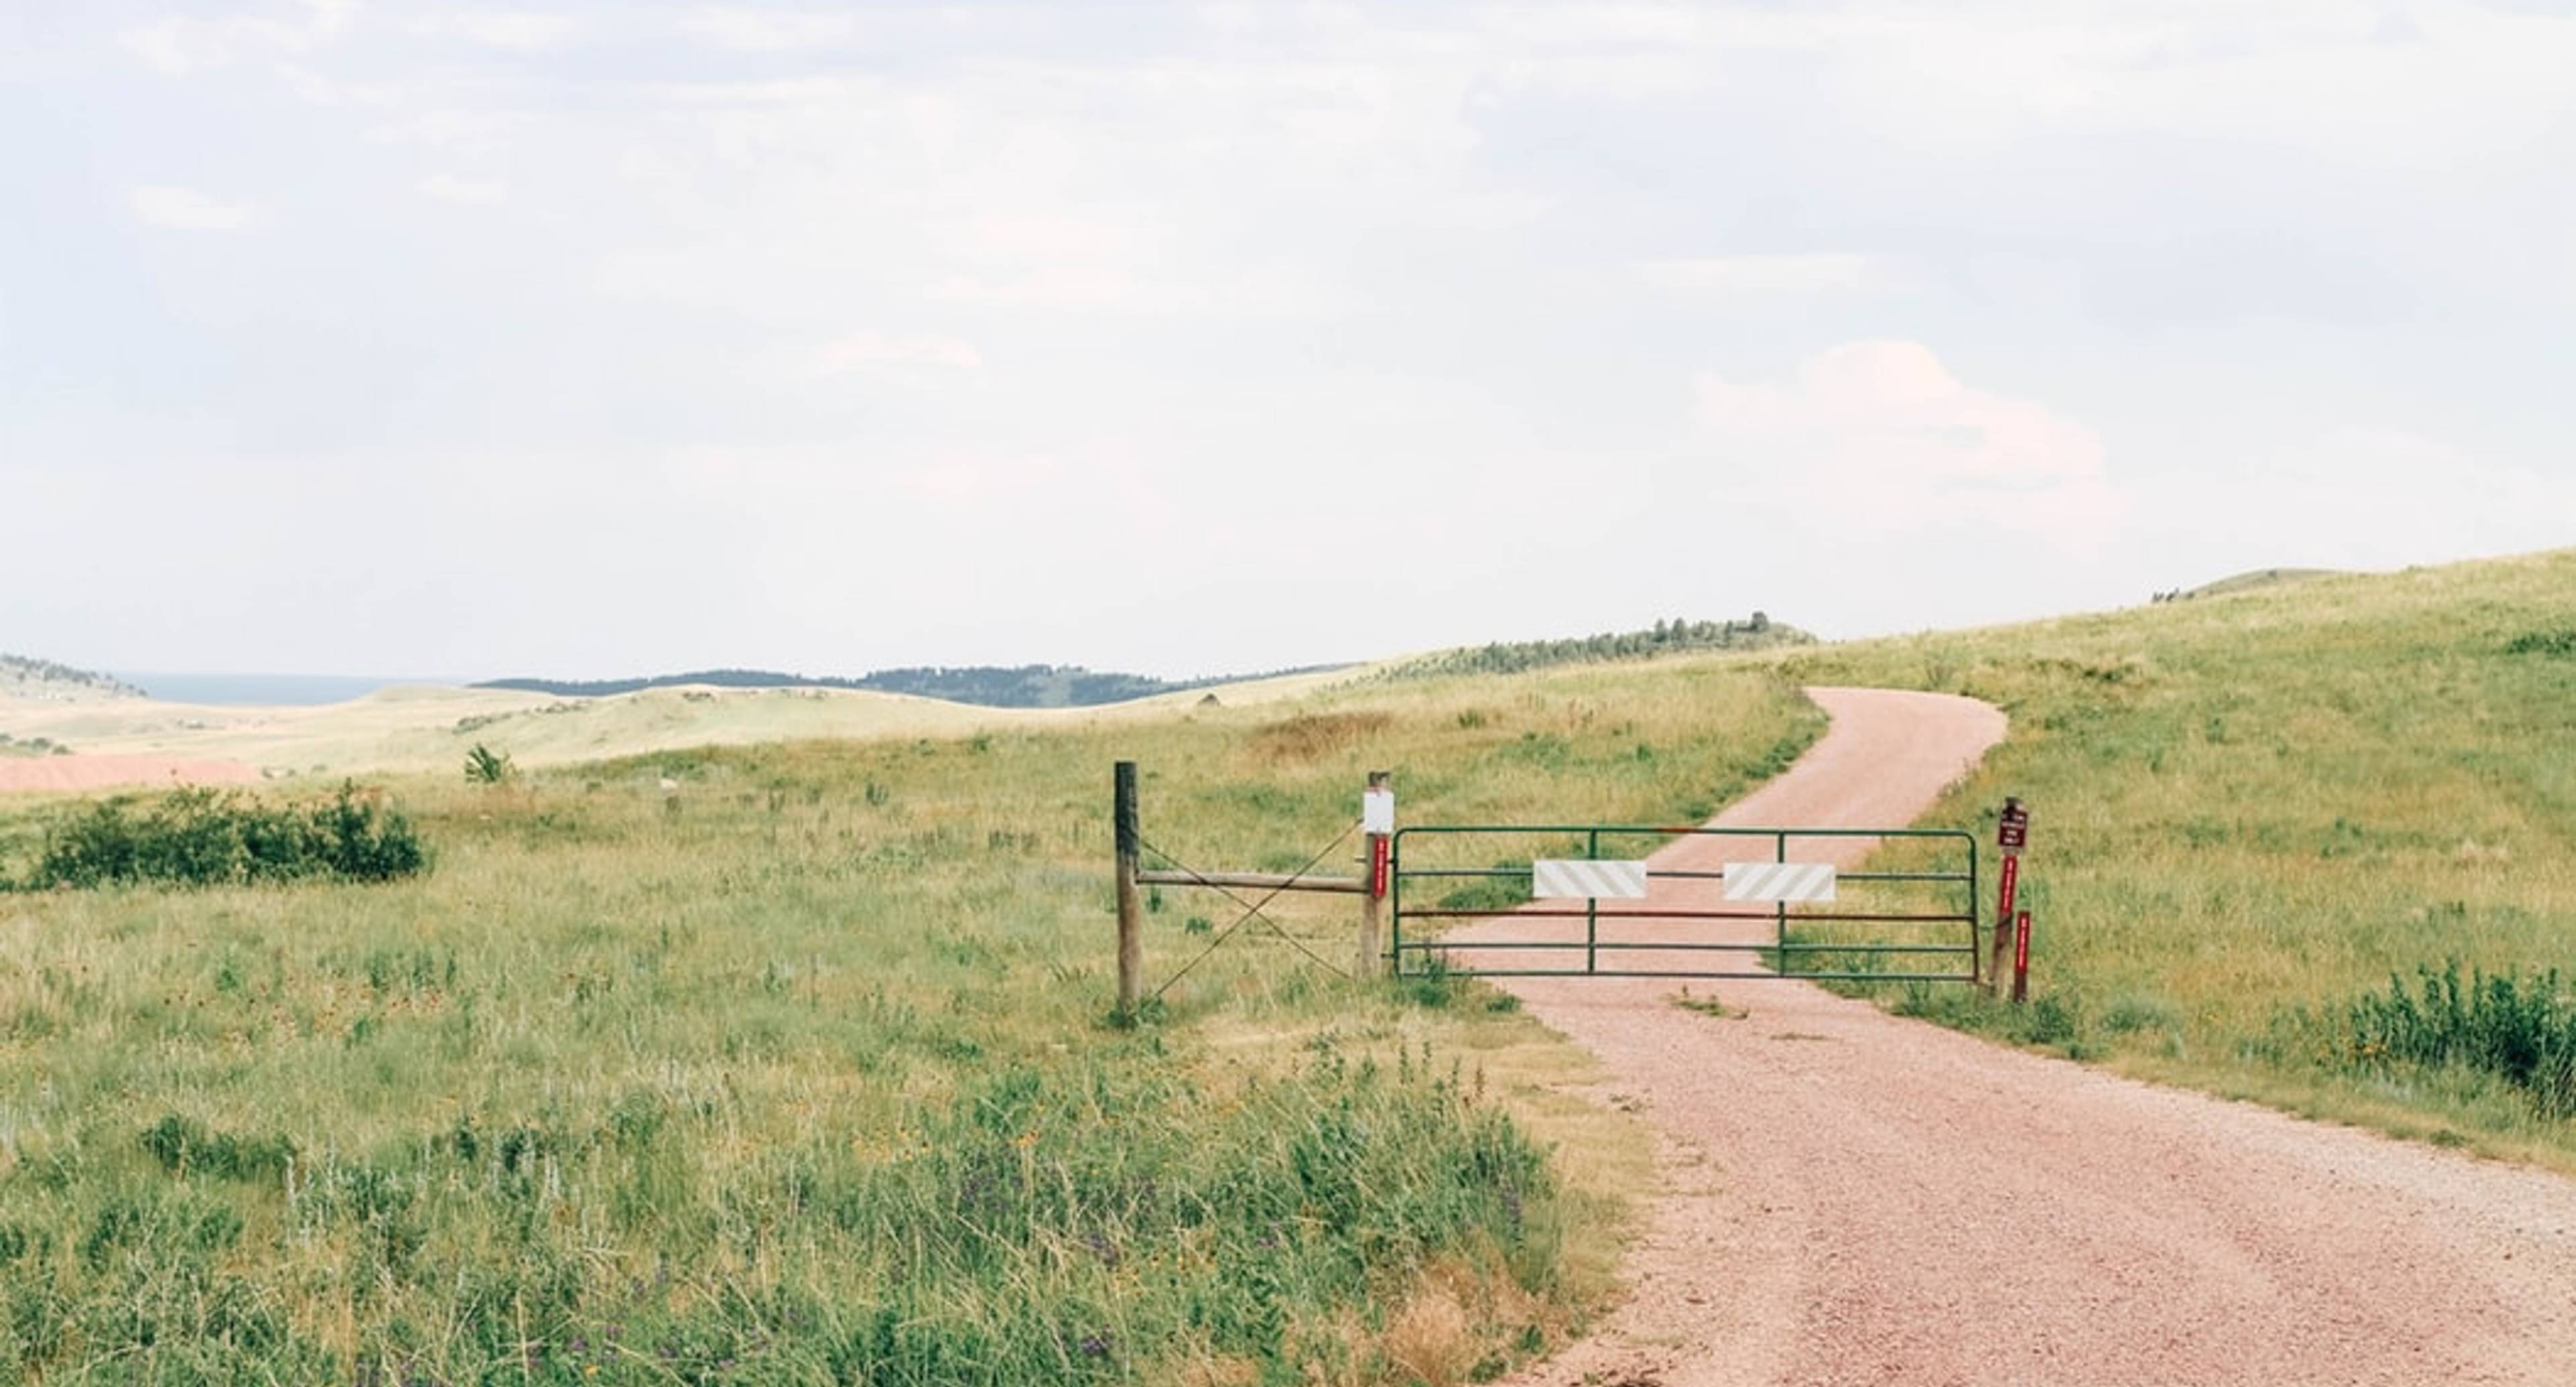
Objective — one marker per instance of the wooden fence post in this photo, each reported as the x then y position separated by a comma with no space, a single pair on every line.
1377,820
1131,912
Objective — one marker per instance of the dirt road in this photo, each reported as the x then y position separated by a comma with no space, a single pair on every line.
95,772
1860,1198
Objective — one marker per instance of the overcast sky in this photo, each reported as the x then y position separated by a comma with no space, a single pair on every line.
596,339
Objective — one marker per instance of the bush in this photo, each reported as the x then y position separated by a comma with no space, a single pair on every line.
202,838
2559,640
484,766
2521,1030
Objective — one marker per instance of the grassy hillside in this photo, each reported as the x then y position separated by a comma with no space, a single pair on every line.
427,728
2252,810
799,1072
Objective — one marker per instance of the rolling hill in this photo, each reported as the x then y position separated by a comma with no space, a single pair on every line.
984,686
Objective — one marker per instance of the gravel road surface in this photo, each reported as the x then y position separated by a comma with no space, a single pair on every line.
1859,1198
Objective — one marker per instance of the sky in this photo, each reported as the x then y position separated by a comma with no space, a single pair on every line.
592,339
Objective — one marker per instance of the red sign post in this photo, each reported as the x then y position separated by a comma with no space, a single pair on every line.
2021,957
2012,832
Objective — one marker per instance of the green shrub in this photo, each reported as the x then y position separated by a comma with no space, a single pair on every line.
484,766
2519,1029
204,838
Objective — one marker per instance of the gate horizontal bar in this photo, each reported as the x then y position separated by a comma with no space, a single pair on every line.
1254,881
1703,830
1749,977
1566,913
1673,874
1637,946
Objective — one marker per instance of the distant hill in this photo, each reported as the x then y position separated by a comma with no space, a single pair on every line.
1756,632
986,686
2252,581
21,677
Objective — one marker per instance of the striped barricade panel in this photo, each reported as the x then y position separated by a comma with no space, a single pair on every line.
1583,879
1779,881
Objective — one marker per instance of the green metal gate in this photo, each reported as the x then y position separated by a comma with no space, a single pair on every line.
1913,916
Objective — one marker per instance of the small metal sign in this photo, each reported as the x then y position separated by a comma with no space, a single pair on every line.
2012,830
1377,811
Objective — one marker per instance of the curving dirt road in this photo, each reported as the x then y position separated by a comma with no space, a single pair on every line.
1859,1198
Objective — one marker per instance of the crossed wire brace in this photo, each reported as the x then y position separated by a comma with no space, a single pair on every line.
1252,910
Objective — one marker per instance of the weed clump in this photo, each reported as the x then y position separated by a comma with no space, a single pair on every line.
484,766
202,838
182,1144
2520,1029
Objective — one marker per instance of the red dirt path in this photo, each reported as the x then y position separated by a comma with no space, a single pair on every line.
1863,1199
87,772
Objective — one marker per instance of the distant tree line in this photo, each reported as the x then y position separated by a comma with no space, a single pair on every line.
20,669
1756,632
988,686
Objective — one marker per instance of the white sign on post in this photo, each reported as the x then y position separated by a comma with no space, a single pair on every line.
1377,811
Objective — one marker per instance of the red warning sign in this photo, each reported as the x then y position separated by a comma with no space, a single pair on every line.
2012,830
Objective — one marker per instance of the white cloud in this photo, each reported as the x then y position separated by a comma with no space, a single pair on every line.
331,16
450,129
473,191
977,481
1880,435
1812,272
2363,496
186,209
178,46
750,29
517,31
869,350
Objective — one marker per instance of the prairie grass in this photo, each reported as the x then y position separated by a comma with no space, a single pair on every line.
2252,811
802,1071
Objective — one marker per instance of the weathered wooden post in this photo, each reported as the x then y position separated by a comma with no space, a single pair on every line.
2012,832
1377,824
1131,910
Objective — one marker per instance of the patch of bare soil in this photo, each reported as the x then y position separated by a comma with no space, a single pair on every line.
82,771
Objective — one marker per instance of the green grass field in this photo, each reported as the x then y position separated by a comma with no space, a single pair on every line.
803,1072
2252,810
